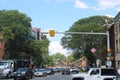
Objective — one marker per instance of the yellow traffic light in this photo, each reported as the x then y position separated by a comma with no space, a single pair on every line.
52,33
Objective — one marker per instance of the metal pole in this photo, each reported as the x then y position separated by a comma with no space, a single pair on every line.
80,33
92,33
108,40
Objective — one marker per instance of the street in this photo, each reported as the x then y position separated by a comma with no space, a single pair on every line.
56,76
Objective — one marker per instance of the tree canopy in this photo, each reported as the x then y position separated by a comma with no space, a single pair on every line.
15,27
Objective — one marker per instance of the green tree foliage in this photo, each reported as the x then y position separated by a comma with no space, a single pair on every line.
39,51
15,29
12,19
70,58
82,44
58,56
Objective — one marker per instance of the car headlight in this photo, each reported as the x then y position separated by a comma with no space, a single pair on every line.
23,73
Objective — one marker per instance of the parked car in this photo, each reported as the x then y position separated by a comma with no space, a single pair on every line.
96,74
23,73
74,70
57,69
50,71
40,72
65,71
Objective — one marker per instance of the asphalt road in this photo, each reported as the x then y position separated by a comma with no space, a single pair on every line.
56,76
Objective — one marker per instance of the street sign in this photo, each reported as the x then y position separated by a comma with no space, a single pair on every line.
93,50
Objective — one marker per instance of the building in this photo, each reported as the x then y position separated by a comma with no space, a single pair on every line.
116,34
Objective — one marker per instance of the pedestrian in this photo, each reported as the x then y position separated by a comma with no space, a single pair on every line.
118,73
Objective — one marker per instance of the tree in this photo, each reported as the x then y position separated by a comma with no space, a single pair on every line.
70,58
39,50
15,29
82,44
12,19
59,56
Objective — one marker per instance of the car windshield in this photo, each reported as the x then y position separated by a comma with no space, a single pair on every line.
108,72
40,70
3,63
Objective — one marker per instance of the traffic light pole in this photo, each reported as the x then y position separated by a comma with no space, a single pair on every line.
92,33
108,40
108,62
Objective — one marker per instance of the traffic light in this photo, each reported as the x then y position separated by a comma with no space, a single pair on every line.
52,33
38,34
108,50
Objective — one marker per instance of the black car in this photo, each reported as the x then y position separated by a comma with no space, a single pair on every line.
50,71
65,71
23,73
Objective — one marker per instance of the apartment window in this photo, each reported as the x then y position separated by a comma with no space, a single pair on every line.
119,44
116,45
116,32
119,27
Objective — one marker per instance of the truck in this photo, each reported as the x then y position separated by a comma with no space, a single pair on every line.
96,74
8,67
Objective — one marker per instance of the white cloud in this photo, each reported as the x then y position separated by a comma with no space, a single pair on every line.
80,4
55,47
111,16
107,4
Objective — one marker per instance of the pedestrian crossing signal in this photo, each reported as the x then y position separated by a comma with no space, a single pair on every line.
108,50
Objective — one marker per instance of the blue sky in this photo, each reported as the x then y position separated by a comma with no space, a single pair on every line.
60,14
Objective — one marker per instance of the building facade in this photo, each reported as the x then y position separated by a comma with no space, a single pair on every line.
117,38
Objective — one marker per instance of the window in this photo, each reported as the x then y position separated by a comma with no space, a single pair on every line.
119,27
107,72
95,72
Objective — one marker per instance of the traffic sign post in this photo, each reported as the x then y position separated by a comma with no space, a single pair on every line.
93,50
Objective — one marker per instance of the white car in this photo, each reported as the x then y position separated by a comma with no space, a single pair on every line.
96,74
40,72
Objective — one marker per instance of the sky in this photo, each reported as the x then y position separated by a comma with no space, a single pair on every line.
60,15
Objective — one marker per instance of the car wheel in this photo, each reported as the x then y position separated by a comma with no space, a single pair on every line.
32,76
15,78
26,77
8,75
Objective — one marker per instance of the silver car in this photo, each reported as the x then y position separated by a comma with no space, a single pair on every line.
40,73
